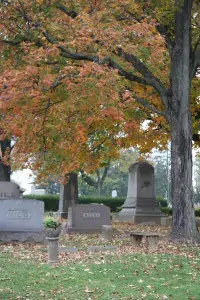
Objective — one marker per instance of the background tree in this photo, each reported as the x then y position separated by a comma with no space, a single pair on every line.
114,175
5,168
197,179
161,161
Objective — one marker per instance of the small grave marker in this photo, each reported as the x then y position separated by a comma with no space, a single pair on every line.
87,217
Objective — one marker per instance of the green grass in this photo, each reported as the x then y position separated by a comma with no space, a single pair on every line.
134,276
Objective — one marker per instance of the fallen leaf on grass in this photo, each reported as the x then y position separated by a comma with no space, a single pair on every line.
87,290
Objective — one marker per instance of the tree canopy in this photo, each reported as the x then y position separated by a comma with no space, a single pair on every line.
45,96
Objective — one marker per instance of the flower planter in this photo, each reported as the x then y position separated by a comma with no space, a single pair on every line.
52,232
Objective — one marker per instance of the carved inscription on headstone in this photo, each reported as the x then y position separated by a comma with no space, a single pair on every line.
91,215
18,214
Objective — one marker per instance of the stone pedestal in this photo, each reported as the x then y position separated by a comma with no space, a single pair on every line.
107,232
140,206
166,221
53,251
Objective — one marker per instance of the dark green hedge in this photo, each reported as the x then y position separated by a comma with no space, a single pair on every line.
168,211
51,202
113,203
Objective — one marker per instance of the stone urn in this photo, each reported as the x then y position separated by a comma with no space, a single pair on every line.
52,230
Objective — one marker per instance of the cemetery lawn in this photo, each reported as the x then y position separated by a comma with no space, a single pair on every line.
103,276
124,272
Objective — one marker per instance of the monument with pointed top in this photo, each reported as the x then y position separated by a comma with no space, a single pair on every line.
140,206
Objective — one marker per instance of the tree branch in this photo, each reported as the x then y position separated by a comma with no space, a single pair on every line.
88,179
148,75
105,172
149,106
163,30
10,42
70,13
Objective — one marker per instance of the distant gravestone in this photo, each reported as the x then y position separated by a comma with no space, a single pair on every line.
9,190
140,206
68,195
114,193
20,219
87,217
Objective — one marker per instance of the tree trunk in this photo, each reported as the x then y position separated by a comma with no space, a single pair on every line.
180,120
68,194
5,170
99,188
184,223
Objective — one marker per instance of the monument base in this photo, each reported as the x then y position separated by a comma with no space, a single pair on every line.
83,230
141,216
22,236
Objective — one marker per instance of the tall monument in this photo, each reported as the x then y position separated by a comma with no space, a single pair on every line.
140,206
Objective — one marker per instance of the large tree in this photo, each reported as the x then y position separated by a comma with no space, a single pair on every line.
153,45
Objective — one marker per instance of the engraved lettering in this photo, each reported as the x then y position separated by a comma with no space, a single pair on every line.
18,214
91,215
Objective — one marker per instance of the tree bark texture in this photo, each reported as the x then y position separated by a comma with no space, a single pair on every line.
5,170
69,193
180,120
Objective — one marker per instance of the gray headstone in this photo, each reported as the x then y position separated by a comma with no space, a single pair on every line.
140,206
87,217
9,190
21,219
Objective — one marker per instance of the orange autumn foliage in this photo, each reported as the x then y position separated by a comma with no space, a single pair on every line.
66,114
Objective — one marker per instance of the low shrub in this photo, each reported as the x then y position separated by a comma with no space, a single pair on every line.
197,212
166,210
161,201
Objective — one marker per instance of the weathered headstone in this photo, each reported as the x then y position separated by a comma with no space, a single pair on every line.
140,206
20,219
9,190
68,195
87,217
